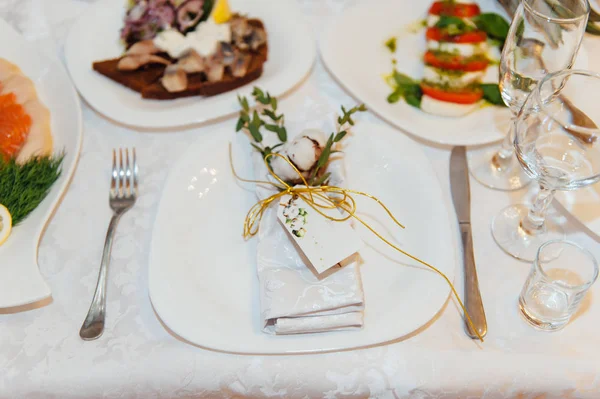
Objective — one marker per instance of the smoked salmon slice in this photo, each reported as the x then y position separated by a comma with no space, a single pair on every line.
24,120
14,127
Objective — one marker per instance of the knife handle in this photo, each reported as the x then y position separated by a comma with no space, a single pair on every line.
473,302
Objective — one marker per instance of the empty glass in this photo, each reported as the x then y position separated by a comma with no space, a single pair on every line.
544,37
558,281
556,142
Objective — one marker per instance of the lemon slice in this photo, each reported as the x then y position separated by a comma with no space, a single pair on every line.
5,223
221,11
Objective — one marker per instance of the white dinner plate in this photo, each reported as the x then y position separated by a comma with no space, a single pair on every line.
95,37
20,279
354,52
202,277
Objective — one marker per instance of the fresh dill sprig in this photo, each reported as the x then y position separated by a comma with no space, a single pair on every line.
24,186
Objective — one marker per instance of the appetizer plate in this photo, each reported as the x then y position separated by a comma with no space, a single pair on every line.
95,36
202,277
358,59
20,279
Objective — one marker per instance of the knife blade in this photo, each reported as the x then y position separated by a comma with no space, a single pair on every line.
461,196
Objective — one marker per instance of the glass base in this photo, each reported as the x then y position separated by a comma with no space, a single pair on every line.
515,240
490,174
537,323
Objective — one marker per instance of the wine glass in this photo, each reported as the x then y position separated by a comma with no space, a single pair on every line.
544,37
556,142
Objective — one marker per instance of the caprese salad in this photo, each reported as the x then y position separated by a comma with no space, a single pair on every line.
460,61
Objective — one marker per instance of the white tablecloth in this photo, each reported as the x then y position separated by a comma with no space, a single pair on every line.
42,356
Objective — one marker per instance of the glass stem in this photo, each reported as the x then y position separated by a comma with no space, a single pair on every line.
502,159
534,222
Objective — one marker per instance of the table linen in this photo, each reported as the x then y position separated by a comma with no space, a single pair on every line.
41,355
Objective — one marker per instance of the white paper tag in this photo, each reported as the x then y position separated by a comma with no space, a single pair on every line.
324,242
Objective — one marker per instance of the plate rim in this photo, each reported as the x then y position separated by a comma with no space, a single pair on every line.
429,320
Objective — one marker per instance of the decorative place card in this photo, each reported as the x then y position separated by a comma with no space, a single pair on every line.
326,243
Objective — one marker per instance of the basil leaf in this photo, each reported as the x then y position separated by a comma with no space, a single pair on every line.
491,93
402,79
396,95
494,25
413,95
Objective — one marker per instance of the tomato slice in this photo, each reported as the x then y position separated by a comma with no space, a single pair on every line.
465,96
456,62
454,9
439,35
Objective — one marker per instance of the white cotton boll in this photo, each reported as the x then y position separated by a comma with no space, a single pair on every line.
303,152
283,169
306,148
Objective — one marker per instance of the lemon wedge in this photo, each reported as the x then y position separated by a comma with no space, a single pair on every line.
5,223
221,11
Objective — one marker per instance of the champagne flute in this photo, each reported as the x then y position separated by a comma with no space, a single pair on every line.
557,148
544,37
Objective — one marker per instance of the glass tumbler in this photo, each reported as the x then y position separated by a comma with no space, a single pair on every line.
559,278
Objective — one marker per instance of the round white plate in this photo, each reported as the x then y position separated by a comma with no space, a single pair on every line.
354,53
20,279
95,37
202,277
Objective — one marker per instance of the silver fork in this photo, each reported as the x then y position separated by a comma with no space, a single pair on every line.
123,193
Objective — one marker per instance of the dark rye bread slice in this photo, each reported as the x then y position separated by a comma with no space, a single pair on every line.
199,86
136,80
146,80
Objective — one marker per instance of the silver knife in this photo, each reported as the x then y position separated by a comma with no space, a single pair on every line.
461,196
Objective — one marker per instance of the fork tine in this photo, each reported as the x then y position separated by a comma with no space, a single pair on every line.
135,173
127,174
121,174
115,175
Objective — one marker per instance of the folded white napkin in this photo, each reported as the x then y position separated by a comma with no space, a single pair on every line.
293,298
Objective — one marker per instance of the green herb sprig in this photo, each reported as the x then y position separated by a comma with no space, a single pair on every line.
342,129
24,186
251,121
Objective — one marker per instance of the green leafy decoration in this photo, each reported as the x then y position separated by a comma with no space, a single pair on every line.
345,118
407,88
494,25
266,105
24,186
491,93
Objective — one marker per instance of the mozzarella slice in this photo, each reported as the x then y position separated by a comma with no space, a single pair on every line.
432,19
443,108
455,80
464,49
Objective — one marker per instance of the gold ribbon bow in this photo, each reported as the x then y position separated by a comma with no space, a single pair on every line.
342,199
